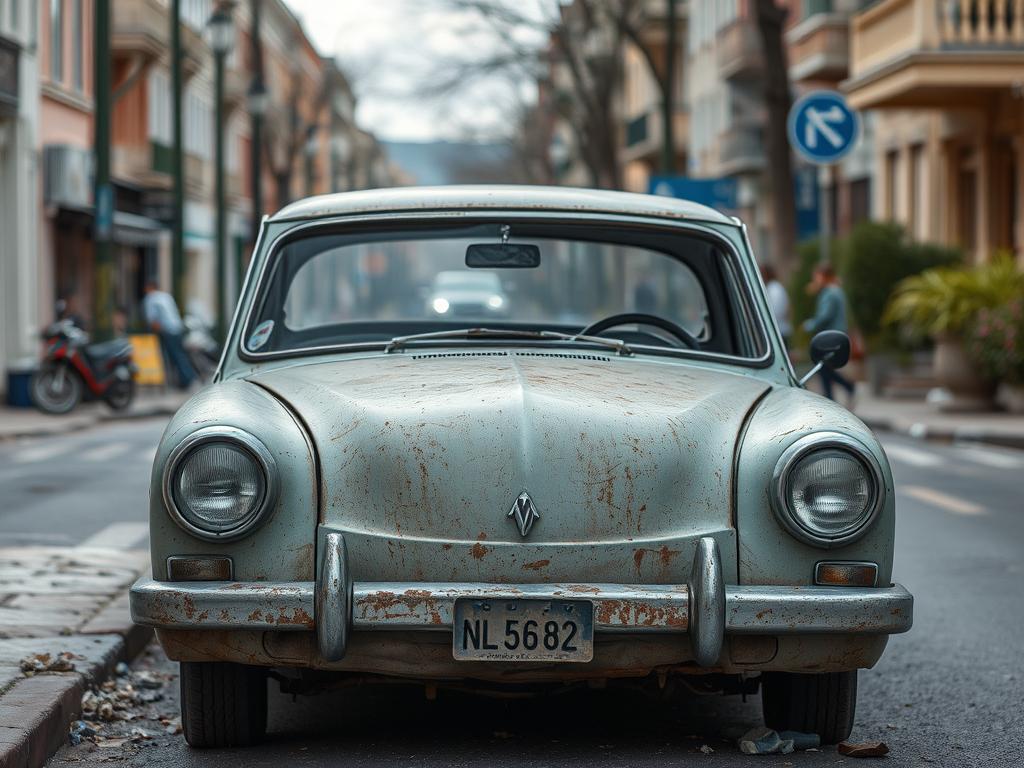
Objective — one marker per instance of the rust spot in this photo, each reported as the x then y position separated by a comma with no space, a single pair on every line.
256,615
299,617
536,565
761,614
225,615
478,551
638,557
582,588
190,606
446,547
481,536
665,554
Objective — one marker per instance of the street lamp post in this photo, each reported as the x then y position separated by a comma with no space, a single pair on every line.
222,38
177,160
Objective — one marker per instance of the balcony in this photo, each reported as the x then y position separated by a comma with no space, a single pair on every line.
819,48
739,51
643,136
141,28
740,151
927,54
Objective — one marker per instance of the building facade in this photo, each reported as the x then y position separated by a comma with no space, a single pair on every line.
946,82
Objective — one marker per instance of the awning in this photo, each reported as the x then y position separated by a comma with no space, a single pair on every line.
137,231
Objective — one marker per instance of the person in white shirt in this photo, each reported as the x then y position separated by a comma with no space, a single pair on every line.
778,301
164,320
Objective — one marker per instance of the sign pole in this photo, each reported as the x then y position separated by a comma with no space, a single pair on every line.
103,294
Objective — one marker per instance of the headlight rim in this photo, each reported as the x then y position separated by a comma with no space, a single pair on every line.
797,451
252,446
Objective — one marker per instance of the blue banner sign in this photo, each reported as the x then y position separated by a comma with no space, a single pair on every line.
714,193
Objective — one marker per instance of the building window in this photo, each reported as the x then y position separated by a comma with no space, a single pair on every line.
77,65
918,193
160,129
57,40
892,167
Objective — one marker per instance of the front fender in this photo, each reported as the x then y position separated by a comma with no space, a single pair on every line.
768,554
283,547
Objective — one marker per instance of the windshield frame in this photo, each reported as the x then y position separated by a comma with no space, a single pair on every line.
763,338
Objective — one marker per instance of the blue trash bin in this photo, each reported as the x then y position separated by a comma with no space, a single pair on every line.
19,377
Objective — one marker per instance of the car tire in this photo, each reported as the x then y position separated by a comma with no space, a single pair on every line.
824,704
223,704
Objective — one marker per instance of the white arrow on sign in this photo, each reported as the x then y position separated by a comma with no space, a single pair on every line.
818,122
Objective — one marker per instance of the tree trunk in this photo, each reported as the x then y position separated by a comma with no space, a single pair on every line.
668,96
778,100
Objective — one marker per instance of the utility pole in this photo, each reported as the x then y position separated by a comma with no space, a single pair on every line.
177,162
221,35
257,108
103,296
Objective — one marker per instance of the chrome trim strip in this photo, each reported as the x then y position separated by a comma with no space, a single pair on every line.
223,604
242,353
818,610
255,448
799,448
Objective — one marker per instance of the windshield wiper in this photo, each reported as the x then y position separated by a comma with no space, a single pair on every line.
471,333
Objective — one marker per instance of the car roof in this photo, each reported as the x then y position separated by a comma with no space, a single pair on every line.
497,197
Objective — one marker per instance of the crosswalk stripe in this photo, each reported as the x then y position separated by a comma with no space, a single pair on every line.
941,500
49,450
912,456
990,458
116,536
106,452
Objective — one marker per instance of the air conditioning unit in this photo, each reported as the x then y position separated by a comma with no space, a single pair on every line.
68,176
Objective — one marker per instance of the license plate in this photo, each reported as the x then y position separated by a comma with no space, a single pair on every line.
523,630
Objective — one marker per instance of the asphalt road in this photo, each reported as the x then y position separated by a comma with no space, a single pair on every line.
947,693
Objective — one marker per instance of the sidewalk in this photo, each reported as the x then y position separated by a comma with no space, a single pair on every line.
923,420
64,625
29,422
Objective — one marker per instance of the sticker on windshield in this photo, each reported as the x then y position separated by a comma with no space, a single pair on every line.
261,335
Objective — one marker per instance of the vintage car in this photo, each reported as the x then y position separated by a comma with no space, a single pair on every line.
621,479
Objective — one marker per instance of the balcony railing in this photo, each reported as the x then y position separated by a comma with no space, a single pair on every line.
739,51
741,150
911,52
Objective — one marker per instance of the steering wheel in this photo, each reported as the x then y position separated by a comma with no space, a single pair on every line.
641,318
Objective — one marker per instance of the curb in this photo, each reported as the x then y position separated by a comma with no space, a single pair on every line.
922,431
77,423
36,712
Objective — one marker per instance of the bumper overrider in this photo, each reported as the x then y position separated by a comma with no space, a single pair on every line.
706,608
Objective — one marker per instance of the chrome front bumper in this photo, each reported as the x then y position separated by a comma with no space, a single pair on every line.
706,608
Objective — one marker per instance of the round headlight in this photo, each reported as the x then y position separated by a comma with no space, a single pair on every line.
828,489
219,483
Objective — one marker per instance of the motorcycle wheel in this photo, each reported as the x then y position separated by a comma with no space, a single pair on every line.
120,394
56,389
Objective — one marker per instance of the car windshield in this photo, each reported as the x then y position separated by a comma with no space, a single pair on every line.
349,288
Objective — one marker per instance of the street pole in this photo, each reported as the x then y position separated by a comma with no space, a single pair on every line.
103,295
257,95
222,205
668,150
177,162
825,223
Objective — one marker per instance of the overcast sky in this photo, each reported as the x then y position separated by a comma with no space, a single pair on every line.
390,47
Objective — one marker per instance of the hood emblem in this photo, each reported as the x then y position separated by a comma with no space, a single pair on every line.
525,512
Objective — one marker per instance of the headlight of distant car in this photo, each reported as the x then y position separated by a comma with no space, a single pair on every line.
440,305
220,483
827,489
495,301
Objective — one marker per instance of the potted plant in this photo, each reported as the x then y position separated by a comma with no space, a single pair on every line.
996,343
943,304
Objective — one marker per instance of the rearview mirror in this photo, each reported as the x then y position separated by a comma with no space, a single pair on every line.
502,256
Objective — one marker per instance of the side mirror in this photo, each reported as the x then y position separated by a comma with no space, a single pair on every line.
829,349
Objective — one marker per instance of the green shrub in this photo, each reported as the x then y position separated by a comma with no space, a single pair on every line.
996,342
877,256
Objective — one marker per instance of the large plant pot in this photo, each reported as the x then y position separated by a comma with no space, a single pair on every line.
957,373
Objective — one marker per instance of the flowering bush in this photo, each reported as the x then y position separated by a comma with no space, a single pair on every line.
996,342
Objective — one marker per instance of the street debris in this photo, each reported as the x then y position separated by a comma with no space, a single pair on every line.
865,749
108,709
45,662
707,750
765,741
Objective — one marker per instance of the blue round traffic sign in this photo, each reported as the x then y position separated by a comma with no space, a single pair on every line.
822,127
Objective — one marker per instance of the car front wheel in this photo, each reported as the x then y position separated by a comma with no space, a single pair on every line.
818,703
223,704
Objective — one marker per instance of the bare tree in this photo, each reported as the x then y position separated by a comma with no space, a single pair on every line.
778,100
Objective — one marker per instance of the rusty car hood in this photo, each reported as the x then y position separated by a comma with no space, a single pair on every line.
439,445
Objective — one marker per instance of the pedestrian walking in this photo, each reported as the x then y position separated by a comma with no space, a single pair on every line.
778,301
163,318
829,315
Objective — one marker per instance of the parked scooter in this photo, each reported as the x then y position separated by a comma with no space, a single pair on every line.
72,368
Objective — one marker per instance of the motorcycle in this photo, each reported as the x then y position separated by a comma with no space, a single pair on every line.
72,368
201,347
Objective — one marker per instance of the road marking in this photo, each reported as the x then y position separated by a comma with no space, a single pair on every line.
106,452
912,456
49,450
990,458
116,536
942,500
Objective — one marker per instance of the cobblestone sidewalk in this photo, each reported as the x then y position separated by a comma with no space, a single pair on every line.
64,625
